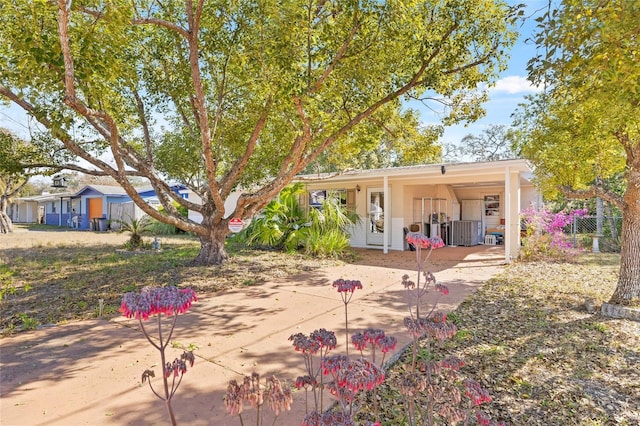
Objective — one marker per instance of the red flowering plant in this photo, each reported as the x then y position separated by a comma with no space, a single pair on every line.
170,302
423,247
375,340
350,378
314,349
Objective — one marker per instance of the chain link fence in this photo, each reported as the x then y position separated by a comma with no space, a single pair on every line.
584,228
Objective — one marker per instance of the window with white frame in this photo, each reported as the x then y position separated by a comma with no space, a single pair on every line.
319,196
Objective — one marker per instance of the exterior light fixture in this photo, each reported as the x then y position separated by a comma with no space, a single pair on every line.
443,169
357,188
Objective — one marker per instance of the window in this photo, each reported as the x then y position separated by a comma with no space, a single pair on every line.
492,205
317,197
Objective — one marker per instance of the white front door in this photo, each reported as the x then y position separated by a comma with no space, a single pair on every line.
376,216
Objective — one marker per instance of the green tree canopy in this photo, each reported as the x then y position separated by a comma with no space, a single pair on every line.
583,132
18,163
228,96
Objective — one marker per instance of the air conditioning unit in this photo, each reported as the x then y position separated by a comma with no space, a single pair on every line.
467,232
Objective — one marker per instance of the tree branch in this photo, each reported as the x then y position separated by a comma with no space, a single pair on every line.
339,55
161,23
199,101
69,85
592,192
228,181
57,132
145,126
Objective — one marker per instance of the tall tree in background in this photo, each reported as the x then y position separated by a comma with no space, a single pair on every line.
584,130
494,143
227,96
400,139
17,166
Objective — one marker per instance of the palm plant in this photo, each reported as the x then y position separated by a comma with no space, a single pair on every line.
328,233
279,224
136,227
283,224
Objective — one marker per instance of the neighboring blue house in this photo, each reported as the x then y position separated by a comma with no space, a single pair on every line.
93,203
92,207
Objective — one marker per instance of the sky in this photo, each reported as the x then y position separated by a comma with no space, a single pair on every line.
510,90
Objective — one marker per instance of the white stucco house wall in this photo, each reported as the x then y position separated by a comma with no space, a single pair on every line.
451,200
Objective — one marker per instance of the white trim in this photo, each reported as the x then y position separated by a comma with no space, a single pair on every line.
507,215
387,215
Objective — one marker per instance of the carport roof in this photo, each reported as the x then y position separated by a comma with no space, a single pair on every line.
471,172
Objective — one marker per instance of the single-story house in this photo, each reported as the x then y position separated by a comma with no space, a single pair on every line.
92,207
33,209
464,203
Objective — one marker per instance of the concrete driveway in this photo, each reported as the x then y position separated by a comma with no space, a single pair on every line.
88,373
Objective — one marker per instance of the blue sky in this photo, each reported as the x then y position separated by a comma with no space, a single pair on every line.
509,91
511,88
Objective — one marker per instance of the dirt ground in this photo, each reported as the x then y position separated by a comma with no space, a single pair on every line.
22,237
88,372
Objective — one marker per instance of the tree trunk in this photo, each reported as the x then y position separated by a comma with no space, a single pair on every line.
5,221
628,288
212,251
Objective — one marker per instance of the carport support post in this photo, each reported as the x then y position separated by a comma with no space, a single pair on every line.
387,216
512,214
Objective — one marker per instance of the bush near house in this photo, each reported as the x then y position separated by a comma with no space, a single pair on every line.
285,225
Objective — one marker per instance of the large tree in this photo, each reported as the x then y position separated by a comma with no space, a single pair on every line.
584,131
18,163
494,143
228,96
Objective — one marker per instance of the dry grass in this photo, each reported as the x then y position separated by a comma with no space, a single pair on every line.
52,276
527,337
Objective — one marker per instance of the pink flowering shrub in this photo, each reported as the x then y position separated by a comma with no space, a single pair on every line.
170,302
346,289
431,388
545,234
277,397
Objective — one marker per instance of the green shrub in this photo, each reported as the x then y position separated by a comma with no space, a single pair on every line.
284,225
161,228
136,228
279,224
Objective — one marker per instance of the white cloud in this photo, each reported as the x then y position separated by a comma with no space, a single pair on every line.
514,85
